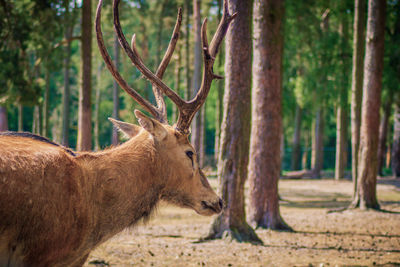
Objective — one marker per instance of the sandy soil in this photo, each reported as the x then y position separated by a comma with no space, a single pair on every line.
349,238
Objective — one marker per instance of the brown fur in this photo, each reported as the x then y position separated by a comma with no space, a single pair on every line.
55,208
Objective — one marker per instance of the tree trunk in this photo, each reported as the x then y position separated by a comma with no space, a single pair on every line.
197,121
220,96
3,119
357,84
115,136
266,126
388,157
187,51
235,130
69,21
85,107
383,128
317,152
341,142
46,126
36,120
296,151
97,109
66,91
20,118
304,158
218,118
396,140
369,131
342,108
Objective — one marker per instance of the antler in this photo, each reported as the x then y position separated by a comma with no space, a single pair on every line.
209,52
159,112
187,109
163,65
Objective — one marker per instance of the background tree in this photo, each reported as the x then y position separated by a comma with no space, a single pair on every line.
69,22
37,35
369,131
342,105
115,136
391,81
266,127
396,139
383,130
3,119
235,129
319,120
187,49
84,141
357,83
197,130
296,148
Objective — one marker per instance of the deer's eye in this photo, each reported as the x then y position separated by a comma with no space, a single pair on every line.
190,155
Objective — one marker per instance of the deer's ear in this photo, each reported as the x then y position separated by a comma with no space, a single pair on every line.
128,129
154,127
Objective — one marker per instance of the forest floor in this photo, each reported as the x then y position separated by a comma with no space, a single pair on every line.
348,238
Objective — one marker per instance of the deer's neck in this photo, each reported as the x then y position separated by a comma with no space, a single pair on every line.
126,185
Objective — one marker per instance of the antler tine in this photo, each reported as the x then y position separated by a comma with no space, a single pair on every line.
134,56
164,63
222,29
209,53
113,70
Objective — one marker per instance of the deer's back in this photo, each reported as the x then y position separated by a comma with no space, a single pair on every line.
43,211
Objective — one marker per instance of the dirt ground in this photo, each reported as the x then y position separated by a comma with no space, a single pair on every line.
349,238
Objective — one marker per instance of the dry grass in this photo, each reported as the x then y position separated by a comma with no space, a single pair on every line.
356,238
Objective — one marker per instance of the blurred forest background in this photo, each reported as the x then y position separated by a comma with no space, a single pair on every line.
41,74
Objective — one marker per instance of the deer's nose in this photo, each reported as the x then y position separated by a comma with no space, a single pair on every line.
220,204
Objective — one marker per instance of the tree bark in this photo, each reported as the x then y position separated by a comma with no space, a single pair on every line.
296,151
36,120
383,131
369,131
318,133
85,106
46,104
317,152
66,92
342,108
197,134
187,51
3,119
357,85
220,96
97,109
235,130
115,134
304,158
396,140
341,144
69,21
266,126
20,118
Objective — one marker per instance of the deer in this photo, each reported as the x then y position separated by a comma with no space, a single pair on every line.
57,205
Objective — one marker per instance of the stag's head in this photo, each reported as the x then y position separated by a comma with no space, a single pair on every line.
186,185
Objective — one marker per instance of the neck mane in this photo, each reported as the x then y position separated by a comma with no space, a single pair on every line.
126,183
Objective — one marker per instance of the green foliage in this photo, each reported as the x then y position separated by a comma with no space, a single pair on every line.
29,29
317,60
